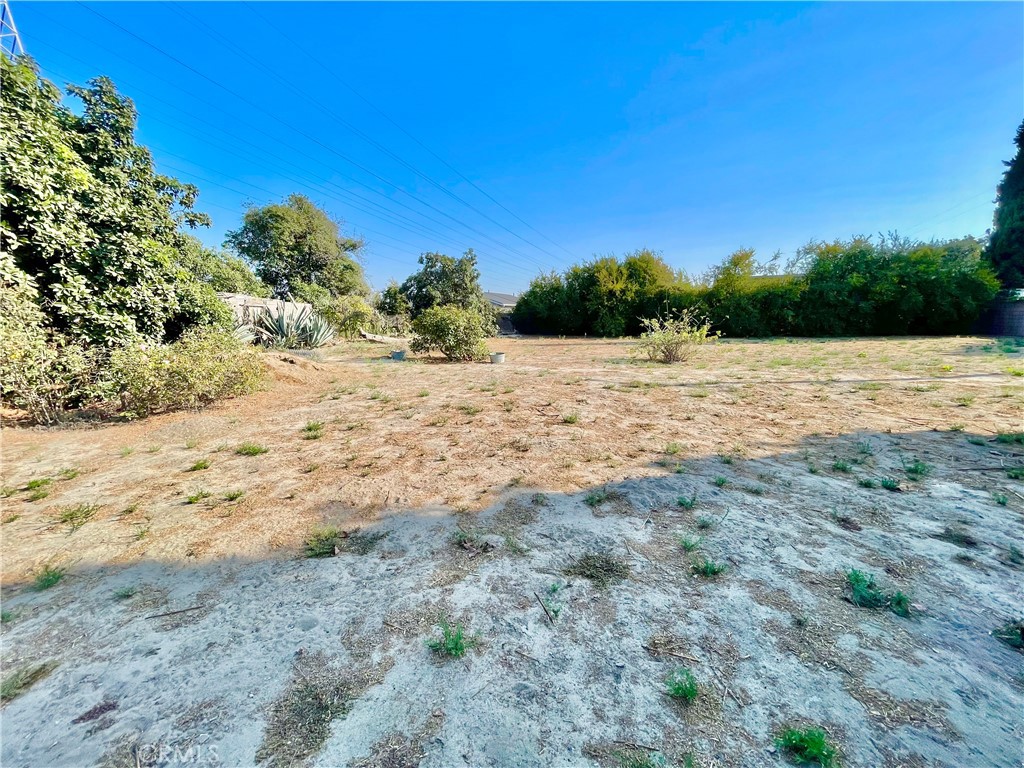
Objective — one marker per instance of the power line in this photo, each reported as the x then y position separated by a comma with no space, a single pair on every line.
387,117
298,130
341,190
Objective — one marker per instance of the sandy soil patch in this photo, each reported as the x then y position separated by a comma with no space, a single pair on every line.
189,627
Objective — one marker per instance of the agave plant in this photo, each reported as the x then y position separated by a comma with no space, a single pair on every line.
244,332
293,328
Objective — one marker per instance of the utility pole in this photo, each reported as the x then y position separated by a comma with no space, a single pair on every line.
10,40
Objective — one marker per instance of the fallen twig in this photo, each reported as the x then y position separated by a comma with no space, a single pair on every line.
172,613
634,745
657,651
545,609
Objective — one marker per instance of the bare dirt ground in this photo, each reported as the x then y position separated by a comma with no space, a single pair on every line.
770,456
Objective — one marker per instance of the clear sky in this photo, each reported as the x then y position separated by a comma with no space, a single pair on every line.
542,134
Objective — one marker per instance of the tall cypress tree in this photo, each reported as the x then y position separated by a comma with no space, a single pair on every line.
1006,247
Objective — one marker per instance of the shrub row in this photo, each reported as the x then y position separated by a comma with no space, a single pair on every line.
850,288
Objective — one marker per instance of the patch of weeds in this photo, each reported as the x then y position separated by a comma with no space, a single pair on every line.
958,537
20,680
679,469
39,482
251,449
7,491
808,746
313,430
756,490
682,685
198,496
708,568
600,569
126,593
705,523
359,543
596,498
863,590
964,401
1011,633
154,449
841,465
321,542
1000,498
975,440
380,396
899,604
310,469
423,393
721,481
10,518
890,483
917,469
540,500
957,427
639,758
673,448
38,494
199,466
1015,473
508,406
191,443
1010,438
453,642
725,458
867,482
865,448
698,392
513,545
812,468
233,495
570,418
77,516
468,410
68,474
49,576
690,543
687,502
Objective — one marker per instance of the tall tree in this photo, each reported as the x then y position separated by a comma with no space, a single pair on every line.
86,216
1006,246
298,250
445,280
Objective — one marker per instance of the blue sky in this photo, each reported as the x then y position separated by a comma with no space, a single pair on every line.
693,129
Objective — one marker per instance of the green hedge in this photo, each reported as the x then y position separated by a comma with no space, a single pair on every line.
851,288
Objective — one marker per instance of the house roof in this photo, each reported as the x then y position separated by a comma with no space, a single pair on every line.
501,299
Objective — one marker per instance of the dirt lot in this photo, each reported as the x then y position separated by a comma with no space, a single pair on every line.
475,488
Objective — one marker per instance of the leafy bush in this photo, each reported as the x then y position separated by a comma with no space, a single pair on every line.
673,340
457,333
844,288
293,328
204,365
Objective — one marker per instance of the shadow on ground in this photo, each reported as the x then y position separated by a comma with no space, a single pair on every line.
289,660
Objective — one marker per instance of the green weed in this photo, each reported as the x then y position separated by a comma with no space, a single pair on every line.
721,481
453,642
708,568
322,542
570,418
687,502
682,685
49,576
199,466
690,543
233,495
77,516
22,679
198,496
251,449
808,746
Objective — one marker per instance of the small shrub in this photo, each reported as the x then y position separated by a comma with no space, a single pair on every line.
251,449
705,523
917,469
39,482
77,516
49,576
841,465
864,591
708,568
198,496
570,418
808,746
456,333
1011,438
38,494
199,466
233,495
322,542
1011,633
899,604
1015,473
126,593
453,642
674,339
313,430
868,482
673,448
596,498
204,365
1001,499
690,543
721,481
682,685
687,502
890,483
